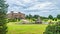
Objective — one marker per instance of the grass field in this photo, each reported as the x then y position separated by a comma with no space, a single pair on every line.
26,28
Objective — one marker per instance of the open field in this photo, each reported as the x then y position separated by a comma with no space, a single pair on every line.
26,28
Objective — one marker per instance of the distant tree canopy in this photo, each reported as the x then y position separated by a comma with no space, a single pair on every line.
36,16
3,11
29,16
58,16
42,17
50,17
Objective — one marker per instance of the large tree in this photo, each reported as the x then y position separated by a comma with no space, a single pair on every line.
3,11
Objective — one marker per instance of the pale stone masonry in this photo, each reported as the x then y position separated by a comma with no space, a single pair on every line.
13,15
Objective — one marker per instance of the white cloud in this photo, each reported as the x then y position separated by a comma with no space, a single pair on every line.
44,7
28,1
41,6
17,2
15,9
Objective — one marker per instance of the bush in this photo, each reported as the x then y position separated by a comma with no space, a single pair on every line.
53,28
45,20
55,19
12,20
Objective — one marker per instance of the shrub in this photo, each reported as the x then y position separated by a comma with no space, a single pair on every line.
45,20
53,28
12,20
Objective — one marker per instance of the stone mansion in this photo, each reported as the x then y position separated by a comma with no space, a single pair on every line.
13,15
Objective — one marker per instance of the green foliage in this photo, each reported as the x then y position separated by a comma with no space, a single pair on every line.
3,11
55,19
12,20
58,16
36,16
43,17
45,20
53,28
29,16
33,19
50,17
18,19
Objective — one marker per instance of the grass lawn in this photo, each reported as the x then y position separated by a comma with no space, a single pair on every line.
26,28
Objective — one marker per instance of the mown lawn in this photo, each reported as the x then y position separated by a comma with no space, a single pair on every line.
26,28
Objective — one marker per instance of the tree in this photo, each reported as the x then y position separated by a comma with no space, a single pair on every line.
43,18
55,19
30,16
3,22
35,16
50,17
58,16
27,17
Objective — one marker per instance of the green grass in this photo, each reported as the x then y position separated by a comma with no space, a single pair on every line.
26,28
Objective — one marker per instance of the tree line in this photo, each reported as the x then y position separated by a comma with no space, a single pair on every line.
42,17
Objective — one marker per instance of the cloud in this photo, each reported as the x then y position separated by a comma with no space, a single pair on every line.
17,2
35,6
40,6
28,1
43,7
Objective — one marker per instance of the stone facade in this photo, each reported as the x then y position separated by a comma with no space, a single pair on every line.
13,15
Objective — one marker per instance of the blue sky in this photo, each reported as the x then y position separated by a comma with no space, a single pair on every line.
40,7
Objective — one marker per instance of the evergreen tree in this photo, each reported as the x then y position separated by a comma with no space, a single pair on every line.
3,11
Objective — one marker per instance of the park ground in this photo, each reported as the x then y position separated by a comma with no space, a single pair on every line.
26,28
14,28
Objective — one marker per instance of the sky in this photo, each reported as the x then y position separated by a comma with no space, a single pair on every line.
33,7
